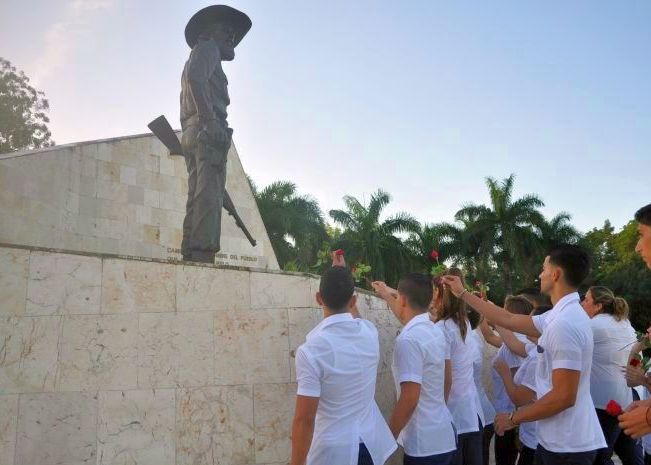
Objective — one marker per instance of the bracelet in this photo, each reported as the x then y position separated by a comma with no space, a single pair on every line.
648,410
511,419
460,296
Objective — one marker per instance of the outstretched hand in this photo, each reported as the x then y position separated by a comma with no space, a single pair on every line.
338,259
384,291
454,284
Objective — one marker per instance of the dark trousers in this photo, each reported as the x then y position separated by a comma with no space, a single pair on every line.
206,167
647,459
506,450
364,456
545,457
629,450
527,456
439,459
610,427
489,431
469,447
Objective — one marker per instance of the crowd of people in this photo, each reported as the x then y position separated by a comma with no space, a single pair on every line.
569,380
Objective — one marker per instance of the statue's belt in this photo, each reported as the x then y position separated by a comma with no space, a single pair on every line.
194,121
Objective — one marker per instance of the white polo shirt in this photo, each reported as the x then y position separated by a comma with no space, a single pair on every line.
612,345
526,376
567,343
338,363
477,365
419,357
463,401
502,401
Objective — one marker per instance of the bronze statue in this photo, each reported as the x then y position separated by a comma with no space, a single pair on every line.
212,33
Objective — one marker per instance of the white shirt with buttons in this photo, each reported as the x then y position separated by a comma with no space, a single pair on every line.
463,401
612,344
338,364
567,343
419,357
477,365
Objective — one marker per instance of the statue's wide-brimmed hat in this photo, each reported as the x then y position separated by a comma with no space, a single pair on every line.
203,18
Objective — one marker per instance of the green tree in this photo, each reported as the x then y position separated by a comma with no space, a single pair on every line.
294,224
617,266
366,239
509,225
23,112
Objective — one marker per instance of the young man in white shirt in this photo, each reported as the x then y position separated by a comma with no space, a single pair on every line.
636,422
337,421
421,420
568,428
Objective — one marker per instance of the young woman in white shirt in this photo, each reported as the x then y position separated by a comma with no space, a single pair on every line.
613,335
464,403
486,404
506,448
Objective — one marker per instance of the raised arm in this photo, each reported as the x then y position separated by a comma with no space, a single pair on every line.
513,343
390,296
519,323
489,336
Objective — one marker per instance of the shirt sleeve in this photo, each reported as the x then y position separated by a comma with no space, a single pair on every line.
409,361
539,322
202,62
565,347
307,375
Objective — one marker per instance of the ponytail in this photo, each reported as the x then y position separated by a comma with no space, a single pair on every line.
610,305
621,309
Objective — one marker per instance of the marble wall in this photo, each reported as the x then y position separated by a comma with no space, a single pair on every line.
123,196
123,362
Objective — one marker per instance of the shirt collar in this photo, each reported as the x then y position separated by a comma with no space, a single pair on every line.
416,320
328,321
567,299
572,297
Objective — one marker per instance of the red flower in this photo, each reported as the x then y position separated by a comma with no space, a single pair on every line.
477,283
635,362
434,255
353,270
339,252
613,408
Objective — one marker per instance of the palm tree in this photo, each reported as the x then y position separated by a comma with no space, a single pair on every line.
557,231
508,227
294,223
368,240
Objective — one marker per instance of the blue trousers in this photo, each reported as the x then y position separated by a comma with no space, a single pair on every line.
364,457
438,459
546,457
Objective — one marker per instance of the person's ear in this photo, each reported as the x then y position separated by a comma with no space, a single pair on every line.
557,273
402,300
353,301
319,300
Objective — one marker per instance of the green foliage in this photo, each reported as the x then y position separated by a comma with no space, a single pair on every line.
294,224
23,119
502,245
618,267
368,239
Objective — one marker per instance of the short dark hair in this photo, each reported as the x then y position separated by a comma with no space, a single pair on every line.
534,296
573,260
643,215
336,288
542,309
417,288
518,305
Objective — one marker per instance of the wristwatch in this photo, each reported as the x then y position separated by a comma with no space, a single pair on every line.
513,422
